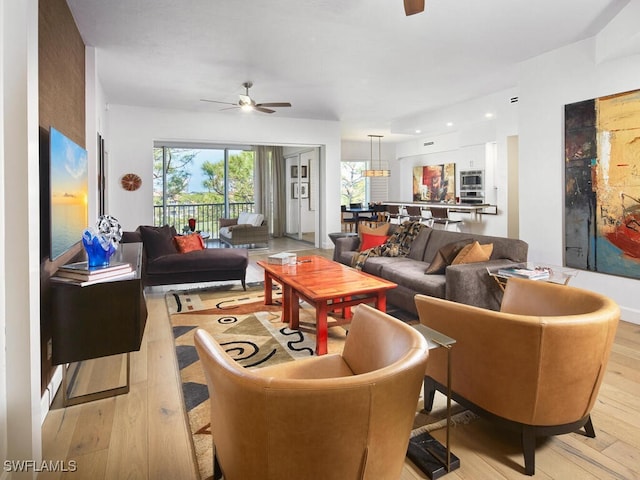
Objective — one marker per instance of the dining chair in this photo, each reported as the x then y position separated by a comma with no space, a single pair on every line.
347,220
394,213
414,212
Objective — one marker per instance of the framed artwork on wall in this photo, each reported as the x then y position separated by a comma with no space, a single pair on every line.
304,190
602,184
294,190
435,183
303,173
294,171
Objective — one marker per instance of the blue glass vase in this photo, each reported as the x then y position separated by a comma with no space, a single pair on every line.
97,255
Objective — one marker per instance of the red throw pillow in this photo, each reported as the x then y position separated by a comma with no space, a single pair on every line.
370,241
189,243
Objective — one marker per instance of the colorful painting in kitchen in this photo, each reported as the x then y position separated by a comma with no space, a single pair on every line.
435,183
602,184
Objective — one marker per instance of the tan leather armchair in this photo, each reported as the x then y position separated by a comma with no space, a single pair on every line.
536,365
339,416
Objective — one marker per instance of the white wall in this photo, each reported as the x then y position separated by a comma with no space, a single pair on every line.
3,292
465,144
20,435
547,83
132,131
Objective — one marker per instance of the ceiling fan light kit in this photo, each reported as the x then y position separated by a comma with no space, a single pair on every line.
380,172
248,104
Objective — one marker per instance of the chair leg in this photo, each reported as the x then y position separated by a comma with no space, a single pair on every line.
529,449
588,428
429,393
217,471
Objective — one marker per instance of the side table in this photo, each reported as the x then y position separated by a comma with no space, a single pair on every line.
560,275
424,450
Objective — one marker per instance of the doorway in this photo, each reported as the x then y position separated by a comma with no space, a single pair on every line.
302,185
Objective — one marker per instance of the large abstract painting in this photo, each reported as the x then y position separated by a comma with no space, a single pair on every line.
602,184
435,183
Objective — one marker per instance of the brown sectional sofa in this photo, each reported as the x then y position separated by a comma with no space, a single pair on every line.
163,264
465,283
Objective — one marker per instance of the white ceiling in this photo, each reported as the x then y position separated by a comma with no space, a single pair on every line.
361,62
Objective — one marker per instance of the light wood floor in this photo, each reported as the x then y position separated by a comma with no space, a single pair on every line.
143,434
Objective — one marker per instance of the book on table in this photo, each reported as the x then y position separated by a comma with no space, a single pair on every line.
82,271
81,282
519,272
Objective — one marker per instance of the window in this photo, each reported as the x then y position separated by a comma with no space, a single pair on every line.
353,184
201,183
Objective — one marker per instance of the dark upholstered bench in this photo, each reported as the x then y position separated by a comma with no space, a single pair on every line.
163,264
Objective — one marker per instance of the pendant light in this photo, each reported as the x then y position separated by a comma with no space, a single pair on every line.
380,172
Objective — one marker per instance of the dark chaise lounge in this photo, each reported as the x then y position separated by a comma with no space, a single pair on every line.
164,264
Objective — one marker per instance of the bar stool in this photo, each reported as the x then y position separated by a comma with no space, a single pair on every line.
440,216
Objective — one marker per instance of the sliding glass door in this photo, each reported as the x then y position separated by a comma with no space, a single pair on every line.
202,183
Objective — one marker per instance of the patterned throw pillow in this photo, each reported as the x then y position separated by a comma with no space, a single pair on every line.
189,243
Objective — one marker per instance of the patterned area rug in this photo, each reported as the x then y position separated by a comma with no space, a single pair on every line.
254,336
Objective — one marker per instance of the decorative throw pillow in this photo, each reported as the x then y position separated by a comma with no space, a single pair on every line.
382,229
370,241
158,241
443,257
474,252
189,243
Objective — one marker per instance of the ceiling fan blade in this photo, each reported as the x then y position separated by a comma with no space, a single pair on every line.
263,110
273,104
412,7
230,108
216,101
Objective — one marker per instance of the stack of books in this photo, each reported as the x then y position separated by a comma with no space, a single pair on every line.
531,274
81,273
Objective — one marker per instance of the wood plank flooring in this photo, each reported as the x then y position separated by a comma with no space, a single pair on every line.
143,434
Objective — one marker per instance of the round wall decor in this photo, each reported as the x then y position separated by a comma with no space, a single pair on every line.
130,181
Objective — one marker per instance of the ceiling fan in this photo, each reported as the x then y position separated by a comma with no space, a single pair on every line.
247,103
412,7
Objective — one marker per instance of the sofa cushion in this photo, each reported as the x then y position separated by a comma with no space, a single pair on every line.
189,243
158,241
420,243
445,255
473,253
244,217
247,218
410,274
199,261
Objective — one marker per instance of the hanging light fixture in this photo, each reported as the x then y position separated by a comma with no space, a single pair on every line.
380,172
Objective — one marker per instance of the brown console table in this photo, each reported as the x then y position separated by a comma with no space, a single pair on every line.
99,320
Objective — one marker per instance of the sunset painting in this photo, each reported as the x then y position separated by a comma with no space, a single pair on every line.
69,192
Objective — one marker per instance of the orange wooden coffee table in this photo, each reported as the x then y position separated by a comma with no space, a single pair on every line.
324,284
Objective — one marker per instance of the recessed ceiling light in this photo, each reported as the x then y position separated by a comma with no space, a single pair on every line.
418,131
449,124
488,115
